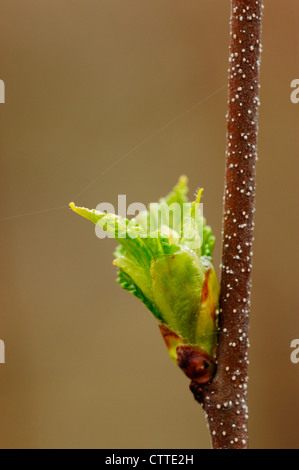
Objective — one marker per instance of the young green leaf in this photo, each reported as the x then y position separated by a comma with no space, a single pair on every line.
164,258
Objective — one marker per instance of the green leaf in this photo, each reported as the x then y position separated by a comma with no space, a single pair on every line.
164,258
179,192
128,284
177,288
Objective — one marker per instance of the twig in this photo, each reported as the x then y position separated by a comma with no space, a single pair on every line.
225,399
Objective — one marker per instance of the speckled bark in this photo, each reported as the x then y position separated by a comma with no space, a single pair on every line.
225,399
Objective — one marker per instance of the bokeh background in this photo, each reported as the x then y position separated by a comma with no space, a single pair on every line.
108,97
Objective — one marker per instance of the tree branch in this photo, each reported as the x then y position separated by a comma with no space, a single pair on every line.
225,399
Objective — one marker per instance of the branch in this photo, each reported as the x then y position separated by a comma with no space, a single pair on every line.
225,398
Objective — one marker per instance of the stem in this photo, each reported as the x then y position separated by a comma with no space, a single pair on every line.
225,398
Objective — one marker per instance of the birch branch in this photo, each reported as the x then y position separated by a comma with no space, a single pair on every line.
225,399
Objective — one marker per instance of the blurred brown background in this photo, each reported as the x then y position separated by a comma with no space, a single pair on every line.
86,81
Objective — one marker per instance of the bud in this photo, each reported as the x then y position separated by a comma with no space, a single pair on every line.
164,258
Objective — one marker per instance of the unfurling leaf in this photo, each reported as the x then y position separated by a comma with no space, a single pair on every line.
164,258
